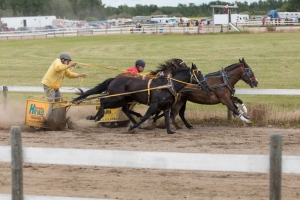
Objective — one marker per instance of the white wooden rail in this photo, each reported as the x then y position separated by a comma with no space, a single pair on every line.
275,164
238,91
153,160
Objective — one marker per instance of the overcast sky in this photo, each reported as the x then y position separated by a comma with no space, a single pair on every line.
160,3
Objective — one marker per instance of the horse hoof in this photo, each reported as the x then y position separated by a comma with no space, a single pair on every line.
97,118
91,117
129,128
172,132
246,115
190,127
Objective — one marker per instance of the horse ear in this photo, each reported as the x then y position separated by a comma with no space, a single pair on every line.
194,66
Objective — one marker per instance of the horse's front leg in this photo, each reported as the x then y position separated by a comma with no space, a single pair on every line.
167,121
149,112
157,116
230,105
243,109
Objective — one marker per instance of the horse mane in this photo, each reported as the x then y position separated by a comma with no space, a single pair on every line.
231,67
174,64
227,69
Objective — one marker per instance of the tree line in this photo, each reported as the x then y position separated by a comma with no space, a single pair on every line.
96,10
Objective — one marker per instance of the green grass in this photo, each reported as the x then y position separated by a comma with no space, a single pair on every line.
274,58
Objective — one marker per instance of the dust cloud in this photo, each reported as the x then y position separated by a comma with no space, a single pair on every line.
12,114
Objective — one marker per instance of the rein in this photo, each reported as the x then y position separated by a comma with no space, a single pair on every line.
169,86
248,72
245,71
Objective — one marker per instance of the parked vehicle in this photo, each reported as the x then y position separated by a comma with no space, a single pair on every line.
25,29
62,28
51,27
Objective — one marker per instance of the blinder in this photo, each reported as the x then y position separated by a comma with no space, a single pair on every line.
248,71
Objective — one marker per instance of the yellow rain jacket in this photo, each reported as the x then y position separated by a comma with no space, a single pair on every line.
56,73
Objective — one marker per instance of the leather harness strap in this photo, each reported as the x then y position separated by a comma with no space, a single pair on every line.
149,91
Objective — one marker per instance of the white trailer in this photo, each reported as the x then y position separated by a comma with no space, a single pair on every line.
222,19
289,15
34,21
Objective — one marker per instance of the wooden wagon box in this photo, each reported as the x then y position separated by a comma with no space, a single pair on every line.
40,113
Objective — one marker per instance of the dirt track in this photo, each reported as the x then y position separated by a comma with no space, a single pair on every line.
97,182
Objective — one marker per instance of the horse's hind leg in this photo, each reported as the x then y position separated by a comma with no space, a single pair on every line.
108,103
150,110
126,110
167,121
135,113
99,114
178,107
181,114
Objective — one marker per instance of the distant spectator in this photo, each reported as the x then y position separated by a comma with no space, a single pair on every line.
267,21
286,20
278,21
197,23
138,26
181,20
263,21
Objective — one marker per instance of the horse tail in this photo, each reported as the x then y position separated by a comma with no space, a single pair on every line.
102,87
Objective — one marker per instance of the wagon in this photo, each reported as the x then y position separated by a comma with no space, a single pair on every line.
51,115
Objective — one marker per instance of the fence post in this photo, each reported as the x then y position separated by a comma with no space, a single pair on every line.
275,166
5,96
229,114
16,163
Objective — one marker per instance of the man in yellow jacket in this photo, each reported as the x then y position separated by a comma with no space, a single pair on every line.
53,78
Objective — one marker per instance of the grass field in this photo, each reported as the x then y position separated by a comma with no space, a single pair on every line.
274,58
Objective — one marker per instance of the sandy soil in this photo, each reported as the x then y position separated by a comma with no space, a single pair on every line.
123,183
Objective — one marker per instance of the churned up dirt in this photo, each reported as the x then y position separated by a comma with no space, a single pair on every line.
137,184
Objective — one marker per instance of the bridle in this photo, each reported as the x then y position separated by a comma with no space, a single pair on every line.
247,71
194,77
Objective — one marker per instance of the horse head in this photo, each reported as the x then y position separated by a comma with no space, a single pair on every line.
248,75
197,76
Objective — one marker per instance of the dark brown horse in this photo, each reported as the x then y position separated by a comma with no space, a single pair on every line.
221,87
160,93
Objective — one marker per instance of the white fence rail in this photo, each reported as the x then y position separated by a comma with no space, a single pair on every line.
146,29
275,164
238,91
153,160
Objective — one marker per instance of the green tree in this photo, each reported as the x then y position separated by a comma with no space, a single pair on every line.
293,6
157,13
88,8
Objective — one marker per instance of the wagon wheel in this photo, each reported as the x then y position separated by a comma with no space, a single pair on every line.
108,124
123,123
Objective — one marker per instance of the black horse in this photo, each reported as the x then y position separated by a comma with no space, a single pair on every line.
221,90
160,93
